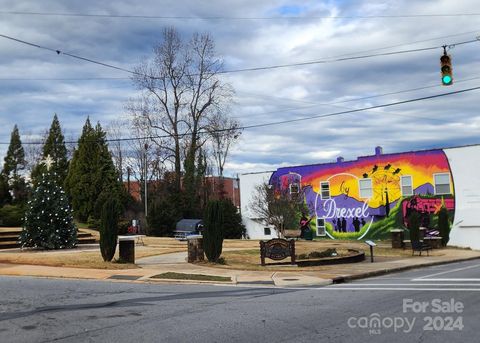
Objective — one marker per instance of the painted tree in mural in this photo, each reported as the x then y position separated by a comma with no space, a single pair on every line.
48,219
278,207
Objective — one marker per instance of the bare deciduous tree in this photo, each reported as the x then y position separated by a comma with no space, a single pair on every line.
224,132
277,207
181,90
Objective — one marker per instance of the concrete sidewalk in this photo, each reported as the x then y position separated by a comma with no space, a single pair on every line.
176,262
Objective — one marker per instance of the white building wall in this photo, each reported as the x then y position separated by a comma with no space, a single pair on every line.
465,167
248,182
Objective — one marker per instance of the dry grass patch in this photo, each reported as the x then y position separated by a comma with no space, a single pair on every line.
81,257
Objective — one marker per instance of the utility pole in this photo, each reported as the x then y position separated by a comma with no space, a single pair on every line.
146,206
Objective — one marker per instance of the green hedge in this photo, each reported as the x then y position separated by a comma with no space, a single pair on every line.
12,215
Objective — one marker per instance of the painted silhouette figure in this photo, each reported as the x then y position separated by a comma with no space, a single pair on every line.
339,225
356,224
344,225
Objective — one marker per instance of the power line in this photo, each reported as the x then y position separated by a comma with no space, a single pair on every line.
315,104
331,60
341,55
142,16
58,52
246,127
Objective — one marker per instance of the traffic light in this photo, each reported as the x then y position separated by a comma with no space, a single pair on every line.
446,69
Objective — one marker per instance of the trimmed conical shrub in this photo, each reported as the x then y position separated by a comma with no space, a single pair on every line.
414,226
109,228
444,225
213,234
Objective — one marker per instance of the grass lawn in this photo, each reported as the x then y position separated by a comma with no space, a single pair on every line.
249,259
195,277
83,257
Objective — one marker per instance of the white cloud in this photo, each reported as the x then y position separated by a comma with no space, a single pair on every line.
262,96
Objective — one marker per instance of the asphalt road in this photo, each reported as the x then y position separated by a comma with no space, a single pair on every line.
437,304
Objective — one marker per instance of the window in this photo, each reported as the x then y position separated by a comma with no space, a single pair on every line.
267,231
294,188
324,190
442,183
406,185
365,186
321,227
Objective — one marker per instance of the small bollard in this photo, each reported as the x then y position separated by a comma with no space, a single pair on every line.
371,245
126,247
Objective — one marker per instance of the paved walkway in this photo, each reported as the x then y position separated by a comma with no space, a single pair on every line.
176,262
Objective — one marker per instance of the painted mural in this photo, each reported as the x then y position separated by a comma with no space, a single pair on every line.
367,197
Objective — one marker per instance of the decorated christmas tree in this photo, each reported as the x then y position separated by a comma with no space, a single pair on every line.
48,220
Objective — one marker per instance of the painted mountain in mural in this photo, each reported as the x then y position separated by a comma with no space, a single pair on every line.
426,188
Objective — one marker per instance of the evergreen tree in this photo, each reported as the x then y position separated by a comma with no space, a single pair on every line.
109,228
48,220
5,197
214,226
14,164
79,182
91,177
55,148
233,226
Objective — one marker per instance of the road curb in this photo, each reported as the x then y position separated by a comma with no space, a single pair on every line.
346,278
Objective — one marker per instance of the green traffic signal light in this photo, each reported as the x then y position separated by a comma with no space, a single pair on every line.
447,80
446,69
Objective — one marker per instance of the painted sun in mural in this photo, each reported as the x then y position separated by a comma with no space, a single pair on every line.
385,183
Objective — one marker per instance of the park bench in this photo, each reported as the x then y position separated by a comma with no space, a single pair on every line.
420,246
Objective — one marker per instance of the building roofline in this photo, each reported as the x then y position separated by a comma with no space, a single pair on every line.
260,172
389,154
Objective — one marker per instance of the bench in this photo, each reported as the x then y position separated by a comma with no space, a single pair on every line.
420,246
434,242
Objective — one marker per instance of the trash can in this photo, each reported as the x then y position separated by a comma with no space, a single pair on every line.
397,238
308,235
126,248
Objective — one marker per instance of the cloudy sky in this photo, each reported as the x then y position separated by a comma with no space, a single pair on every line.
36,83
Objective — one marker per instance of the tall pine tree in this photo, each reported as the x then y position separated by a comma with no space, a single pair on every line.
55,148
91,175
48,220
14,164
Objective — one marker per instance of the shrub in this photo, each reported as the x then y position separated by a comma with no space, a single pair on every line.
233,226
109,228
11,215
163,214
444,225
123,226
213,234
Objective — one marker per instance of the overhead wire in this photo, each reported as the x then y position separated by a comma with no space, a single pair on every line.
284,17
245,127
321,61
